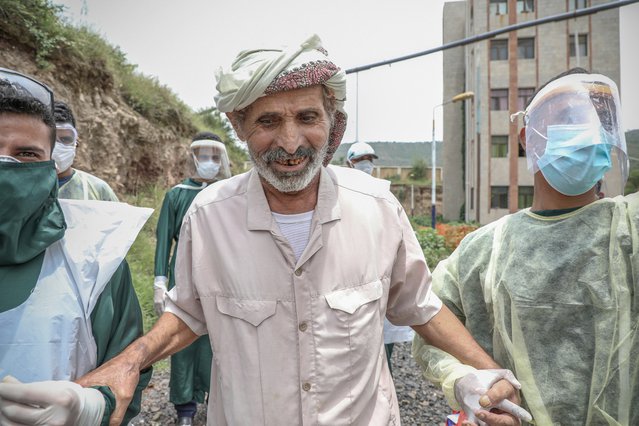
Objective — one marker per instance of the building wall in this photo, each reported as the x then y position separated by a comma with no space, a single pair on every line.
552,56
454,70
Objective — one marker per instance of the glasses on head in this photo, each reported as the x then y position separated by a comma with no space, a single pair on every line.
32,87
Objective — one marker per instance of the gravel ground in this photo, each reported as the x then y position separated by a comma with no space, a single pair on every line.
420,403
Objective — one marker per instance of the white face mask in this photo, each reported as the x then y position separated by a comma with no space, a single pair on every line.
63,155
365,165
207,169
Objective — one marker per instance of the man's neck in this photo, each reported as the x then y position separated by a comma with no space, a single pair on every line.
292,202
68,172
547,198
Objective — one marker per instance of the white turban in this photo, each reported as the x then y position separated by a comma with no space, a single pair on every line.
261,72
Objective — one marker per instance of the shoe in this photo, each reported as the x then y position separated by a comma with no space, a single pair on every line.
185,421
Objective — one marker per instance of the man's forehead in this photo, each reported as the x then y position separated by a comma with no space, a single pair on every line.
298,99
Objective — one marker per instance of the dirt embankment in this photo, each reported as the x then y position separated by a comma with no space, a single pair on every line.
116,143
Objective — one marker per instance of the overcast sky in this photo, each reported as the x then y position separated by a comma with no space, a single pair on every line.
182,43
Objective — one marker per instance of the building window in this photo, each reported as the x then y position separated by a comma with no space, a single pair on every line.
499,99
525,6
499,146
525,197
526,48
578,4
498,7
524,94
498,50
498,197
582,45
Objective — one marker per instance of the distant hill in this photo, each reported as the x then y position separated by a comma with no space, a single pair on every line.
399,154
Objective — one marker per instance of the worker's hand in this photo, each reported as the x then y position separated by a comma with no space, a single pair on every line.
50,403
121,376
159,293
491,397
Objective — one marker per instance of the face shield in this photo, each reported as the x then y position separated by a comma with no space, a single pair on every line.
210,159
574,134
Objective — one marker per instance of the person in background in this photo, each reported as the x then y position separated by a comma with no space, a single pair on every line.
291,267
74,184
191,367
68,304
551,291
360,156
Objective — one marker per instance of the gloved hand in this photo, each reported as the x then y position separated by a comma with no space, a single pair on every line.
159,293
50,403
471,388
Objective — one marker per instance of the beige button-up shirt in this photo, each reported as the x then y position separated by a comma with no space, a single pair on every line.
300,342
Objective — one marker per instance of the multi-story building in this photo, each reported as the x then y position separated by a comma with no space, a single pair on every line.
485,171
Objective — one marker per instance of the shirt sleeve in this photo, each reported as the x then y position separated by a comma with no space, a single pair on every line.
411,300
438,366
117,321
164,235
183,299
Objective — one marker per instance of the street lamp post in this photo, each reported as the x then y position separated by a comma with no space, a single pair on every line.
433,156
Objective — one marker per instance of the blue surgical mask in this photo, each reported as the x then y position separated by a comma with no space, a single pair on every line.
207,169
576,157
365,165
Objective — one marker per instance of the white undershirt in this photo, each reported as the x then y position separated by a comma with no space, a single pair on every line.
296,228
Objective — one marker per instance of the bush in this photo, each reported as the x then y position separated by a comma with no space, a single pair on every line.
453,233
433,245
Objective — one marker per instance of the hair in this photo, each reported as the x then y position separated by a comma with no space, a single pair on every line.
62,113
200,136
576,70
14,100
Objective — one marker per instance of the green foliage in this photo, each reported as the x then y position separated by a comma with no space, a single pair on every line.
34,23
433,245
633,182
422,220
418,171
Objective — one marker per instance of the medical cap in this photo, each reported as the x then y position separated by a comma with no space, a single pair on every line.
261,72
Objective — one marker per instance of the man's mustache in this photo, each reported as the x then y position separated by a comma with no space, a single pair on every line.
279,154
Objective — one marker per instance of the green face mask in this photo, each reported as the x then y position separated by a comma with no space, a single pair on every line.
30,217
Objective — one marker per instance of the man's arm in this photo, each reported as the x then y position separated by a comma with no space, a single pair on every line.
122,373
116,322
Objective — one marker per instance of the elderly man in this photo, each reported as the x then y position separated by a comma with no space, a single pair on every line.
552,290
291,267
67,303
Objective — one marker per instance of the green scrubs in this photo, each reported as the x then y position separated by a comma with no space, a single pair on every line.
191,367
554,298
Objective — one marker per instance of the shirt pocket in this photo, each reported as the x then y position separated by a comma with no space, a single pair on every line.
242,335
356,313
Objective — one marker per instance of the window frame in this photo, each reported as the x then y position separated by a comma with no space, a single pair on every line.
571,45
498,7
525,197
499,46
523,98
526,48
494,100
499,143
525,6
497,198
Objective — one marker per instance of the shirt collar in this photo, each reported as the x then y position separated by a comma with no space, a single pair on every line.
259,212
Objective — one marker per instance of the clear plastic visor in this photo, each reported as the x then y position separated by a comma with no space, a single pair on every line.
577,111
212,151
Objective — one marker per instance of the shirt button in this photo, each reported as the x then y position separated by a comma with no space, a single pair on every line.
298,272
306,386
303,326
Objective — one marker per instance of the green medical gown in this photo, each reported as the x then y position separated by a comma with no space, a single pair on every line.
191,367
556,300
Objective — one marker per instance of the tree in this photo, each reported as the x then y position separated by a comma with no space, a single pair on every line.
418,171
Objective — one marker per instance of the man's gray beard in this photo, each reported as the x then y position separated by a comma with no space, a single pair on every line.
289,182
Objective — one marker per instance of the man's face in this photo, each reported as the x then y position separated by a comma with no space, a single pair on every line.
206,154
24,137
287,135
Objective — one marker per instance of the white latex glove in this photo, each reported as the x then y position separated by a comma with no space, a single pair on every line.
470,388
52,403
159,293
